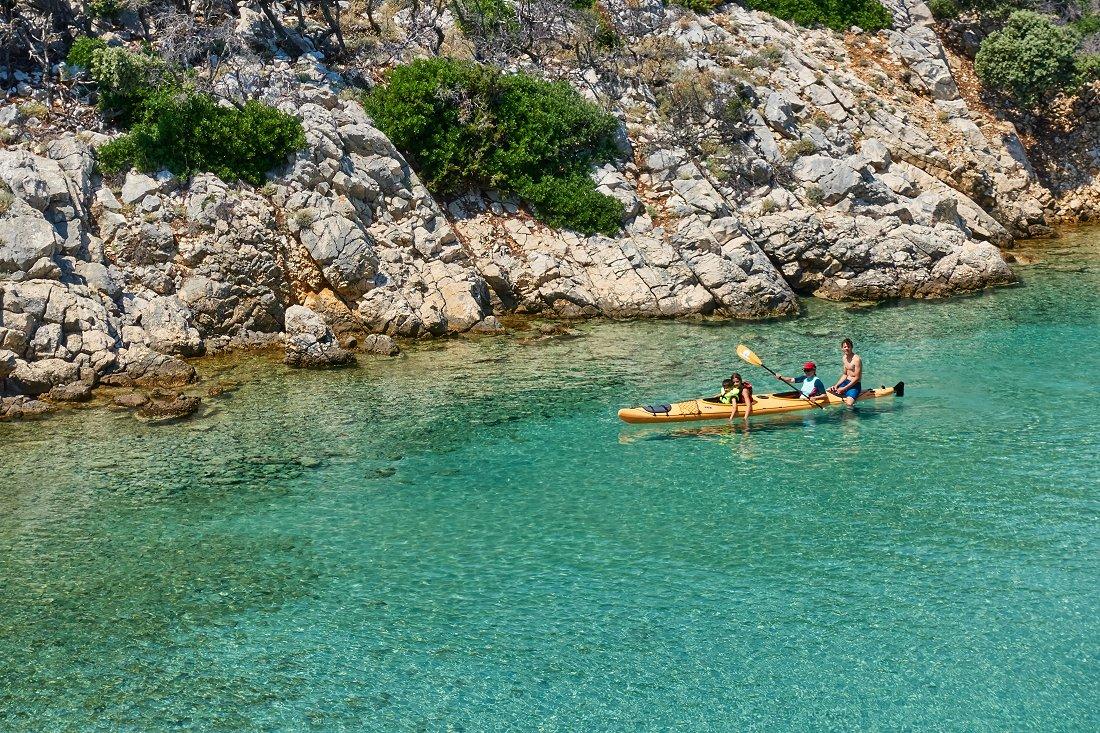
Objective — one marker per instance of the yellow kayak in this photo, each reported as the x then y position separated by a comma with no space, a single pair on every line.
708,408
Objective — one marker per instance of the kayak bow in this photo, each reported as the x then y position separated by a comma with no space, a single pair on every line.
708,408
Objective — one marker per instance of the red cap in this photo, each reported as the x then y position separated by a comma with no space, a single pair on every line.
809,365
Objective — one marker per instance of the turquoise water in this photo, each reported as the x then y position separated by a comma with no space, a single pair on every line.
466,538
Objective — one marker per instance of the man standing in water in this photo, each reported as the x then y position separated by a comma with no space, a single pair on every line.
848,386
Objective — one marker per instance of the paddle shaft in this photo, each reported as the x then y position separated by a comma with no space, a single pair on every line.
785,382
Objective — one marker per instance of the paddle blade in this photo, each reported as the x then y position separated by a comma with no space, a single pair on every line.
746,354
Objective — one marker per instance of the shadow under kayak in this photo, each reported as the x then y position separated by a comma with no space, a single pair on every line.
708,408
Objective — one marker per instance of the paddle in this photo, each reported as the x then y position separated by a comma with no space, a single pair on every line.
746,354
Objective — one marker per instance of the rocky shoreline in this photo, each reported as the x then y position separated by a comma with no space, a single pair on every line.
869,178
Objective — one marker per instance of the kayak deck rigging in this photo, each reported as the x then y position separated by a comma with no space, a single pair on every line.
708,408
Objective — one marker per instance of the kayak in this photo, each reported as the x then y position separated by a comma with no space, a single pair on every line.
708,408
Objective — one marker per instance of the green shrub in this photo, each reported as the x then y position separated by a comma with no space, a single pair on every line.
172,126
814,194
1029,58
33,109
607,35
803,146
463,125
944,9
486,11
574,203
189,133
1087,25
104,8
699,6
1088,67
82,51
839,15
125,79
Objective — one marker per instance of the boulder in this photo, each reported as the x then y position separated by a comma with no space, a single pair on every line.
8,362
37,377
380,343
143,366
167,323
138,185
777,112
876,154
344,252
75,392
21,407
38,181
310,343
24,240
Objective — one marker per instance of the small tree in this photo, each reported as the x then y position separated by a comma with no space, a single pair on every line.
1029,59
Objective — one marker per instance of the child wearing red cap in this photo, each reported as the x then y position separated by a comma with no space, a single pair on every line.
809,383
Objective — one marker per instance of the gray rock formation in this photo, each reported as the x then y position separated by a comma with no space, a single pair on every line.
381,344
310,343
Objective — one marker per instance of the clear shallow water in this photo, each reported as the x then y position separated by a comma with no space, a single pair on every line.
467,538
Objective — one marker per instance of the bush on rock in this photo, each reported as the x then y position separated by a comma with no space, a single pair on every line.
172,125
188,133
1029,59
82,50
839,15
463,126
699,6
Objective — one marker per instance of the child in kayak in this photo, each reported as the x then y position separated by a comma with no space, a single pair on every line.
736,391
848,386
726,396
809,384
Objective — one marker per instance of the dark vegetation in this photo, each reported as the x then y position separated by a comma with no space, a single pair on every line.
465,125
1027,50
840,15
1029,58
173,125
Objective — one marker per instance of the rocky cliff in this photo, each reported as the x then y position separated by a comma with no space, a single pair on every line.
863,175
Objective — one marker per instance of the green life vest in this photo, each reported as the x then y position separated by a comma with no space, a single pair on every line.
730,396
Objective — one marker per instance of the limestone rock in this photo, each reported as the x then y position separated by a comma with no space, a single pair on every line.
379,343
164,406
166,321
130,400
37,377
75,392
142,366
21,407
310,343
138,185
8,362
24,240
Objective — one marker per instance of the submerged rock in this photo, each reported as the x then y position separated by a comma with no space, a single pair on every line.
21,406
165,405
131,400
